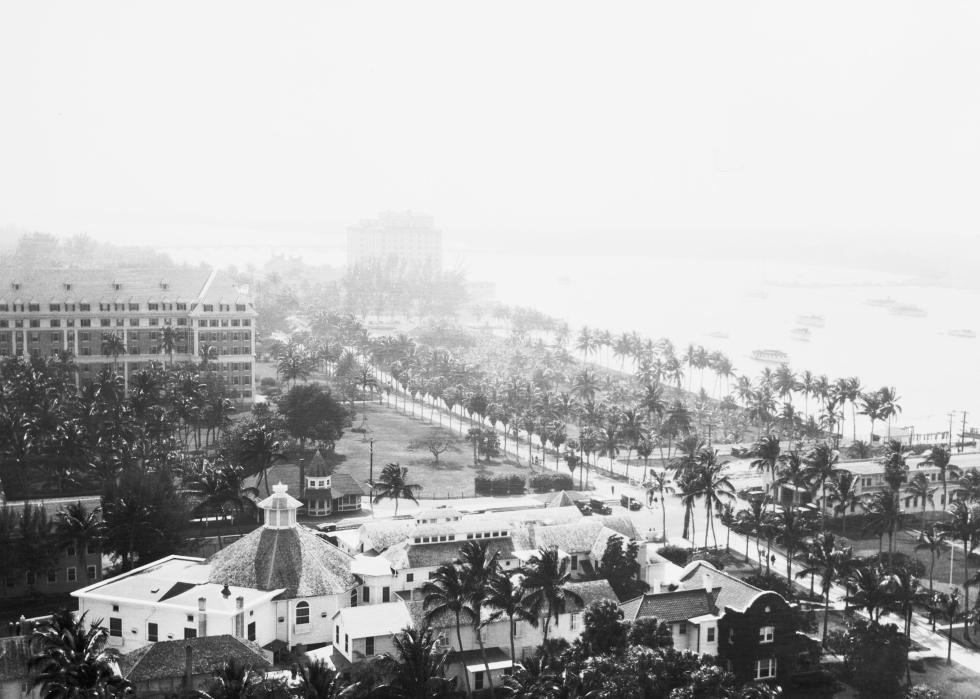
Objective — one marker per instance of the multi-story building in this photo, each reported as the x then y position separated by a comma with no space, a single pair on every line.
48,312
399,236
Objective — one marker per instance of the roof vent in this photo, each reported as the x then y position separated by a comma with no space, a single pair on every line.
225,592
67,286
116,285
15,286
164,285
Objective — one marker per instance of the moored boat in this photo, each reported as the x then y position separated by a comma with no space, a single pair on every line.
907,309
881,303
965,333
770,355
802,334
814,321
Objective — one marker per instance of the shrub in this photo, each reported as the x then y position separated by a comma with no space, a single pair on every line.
512,484
898,560
713,557
772,583
267,381
545,482
675,554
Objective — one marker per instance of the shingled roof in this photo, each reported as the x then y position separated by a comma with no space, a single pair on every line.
166,659
317,466
680,605
342,483
729,591
295,559
592,591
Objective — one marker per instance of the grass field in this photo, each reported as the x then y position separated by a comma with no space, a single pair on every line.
392,431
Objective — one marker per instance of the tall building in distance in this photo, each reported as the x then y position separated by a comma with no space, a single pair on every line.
403,237
45,312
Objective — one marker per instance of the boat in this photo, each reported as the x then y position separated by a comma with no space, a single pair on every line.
719,334
770,355
802,334
813,321
965,333
756,294
881,303
909,310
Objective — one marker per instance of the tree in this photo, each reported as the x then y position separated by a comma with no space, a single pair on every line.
320,681
113,346
793,526
948,603
878,658
710,483
37,551
479,566
920,488
940,457
435,444
605,630
446,593
392,485
168,341
932,540
418,668
651,632
821,464
234,679
259,448
546,578
826,558
884,517
71,660
505,596
660,484
620,567
311,412
76,526
867,588
766,452
963,525
222,490
845,495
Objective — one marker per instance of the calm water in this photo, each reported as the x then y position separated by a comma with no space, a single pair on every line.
686,300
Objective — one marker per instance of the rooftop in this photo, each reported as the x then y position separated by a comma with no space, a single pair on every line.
166,659
593,591
730,592
680,605
374,619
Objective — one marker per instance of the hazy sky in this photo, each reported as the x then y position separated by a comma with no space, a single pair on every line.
514,124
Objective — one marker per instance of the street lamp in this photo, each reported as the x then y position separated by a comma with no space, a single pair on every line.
371,475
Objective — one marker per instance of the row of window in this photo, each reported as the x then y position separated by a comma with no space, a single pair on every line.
51,577
117,306
224,323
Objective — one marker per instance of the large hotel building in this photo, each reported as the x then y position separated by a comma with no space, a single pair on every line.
47,311
401,236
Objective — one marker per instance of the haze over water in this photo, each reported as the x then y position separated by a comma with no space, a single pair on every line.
686,299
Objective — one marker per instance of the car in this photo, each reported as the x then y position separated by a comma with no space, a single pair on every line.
599,506
326,527
584,509
630,503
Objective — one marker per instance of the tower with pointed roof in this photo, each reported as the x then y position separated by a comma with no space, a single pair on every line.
326,493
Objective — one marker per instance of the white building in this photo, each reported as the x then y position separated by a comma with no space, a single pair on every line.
402,237
279,586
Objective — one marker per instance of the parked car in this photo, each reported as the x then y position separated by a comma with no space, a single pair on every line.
583,508
599,506
630,503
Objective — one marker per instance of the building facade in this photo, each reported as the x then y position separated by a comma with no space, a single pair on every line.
400,236
70,312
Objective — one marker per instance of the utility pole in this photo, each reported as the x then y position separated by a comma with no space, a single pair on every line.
962,434
951,414
371,476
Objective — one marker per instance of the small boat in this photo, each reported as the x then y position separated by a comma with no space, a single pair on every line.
802,334
756,294
719,334
909,310
813,321
770,355
965,333
881,303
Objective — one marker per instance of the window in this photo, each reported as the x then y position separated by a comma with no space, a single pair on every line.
409,577
152,632
251,631
369,645
35,323
71,574
353,597
208,307
181,306
105,322
574,562
478,680
432,575
385,594
190,633
90,547
85,307
302,613
115,607
336,633
115,626
70,551
85,323
54,307
366,594
34,307
239,307
52,577
765,668
153,306
682,628
711,634
766,634
55,323
573,620
346,643
190,617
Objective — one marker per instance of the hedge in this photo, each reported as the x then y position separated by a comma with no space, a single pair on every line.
546,482
499,485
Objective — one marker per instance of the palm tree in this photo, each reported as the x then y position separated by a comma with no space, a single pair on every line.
767,452
940,456
661,484
867,588
233,679
963,525
479,567
320,681
446,592
884,517
71,659
889,407
821,464
207,353
845,495
871,406
949,605
920,488
76,526
830,560
905,592
506,597
259,450
391,485
417,670
753,521
713,485
113,346
168,341
793,526
222,489
932,540
546,579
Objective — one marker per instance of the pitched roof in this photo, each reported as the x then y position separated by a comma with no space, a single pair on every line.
429,555
295,559
317,466
602,541
593,591
286,473
571,538
680,605
342,483
166,659
730,591
564,498
380,535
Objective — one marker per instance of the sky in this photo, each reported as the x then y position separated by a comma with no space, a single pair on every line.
836,129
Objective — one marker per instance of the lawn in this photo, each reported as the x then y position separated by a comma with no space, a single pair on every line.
392,431
952,682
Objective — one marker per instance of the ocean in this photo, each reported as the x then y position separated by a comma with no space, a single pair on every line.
737,306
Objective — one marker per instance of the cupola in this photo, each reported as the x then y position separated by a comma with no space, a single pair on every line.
280,508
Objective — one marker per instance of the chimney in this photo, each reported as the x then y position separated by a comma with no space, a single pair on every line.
239,617
302,478
188,666
202,617
707,581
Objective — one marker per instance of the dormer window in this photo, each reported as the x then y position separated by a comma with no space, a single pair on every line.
15,286
164,285
67,286
116,286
